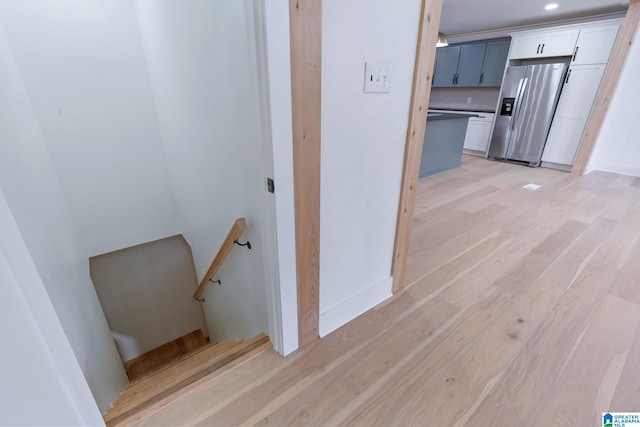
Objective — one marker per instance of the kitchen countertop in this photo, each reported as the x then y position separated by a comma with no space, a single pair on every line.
460,109
433,116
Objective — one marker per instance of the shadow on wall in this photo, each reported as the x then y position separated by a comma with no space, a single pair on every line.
145,292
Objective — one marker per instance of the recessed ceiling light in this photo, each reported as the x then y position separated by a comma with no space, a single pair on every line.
551,6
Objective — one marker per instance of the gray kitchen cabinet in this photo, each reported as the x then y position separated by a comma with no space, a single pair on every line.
495,60
459,66
446,67
471,64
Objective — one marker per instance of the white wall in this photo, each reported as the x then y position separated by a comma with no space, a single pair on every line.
36,200
363,140
201,59
35,389
145,292
617,149
84,70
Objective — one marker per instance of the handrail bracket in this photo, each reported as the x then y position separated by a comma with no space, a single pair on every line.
248,244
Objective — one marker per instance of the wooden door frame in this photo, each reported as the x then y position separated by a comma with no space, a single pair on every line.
608,87
422,78
306,55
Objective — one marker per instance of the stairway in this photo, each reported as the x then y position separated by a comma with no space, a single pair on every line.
155,390
165,354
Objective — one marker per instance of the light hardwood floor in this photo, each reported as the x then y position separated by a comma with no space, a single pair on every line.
521,308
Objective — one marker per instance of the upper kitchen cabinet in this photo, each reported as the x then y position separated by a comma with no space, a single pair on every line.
471,64
495,59
543,43
459,66
446,67
595,44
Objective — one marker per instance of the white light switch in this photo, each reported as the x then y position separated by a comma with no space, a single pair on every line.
376,78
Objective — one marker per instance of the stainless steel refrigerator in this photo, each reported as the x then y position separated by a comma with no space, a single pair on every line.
528,97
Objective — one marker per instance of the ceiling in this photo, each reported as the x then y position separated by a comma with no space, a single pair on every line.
470,16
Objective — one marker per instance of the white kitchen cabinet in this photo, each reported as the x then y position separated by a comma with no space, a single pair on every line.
595,44
544,43
574,107
478,133
563,141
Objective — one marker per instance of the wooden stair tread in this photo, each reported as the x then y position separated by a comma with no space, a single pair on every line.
209,350
164,378
156,390
159,357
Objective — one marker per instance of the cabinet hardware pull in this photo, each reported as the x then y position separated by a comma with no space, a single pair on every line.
575,53
481,77
568,75
538,51
542,50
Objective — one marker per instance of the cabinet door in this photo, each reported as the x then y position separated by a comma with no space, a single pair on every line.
527,46
595,44
559,43
470,64
574,107
579,91
446,66
478,134
563,141
495,60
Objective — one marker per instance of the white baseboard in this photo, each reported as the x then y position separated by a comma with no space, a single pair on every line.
617,168
558,166
474,152
347,310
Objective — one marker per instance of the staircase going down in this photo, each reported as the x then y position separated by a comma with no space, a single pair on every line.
156,390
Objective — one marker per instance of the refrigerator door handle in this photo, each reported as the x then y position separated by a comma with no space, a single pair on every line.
522,85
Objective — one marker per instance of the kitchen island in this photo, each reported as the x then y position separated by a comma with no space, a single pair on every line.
443,142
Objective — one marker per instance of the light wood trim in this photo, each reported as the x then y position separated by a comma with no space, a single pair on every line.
306,55
238,227
173,385
423,75
608,87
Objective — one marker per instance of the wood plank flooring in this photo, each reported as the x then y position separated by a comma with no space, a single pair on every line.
158,357
520,308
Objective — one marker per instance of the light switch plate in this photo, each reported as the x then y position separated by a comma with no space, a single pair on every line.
376,78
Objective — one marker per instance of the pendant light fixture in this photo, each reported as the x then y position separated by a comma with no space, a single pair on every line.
442,40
